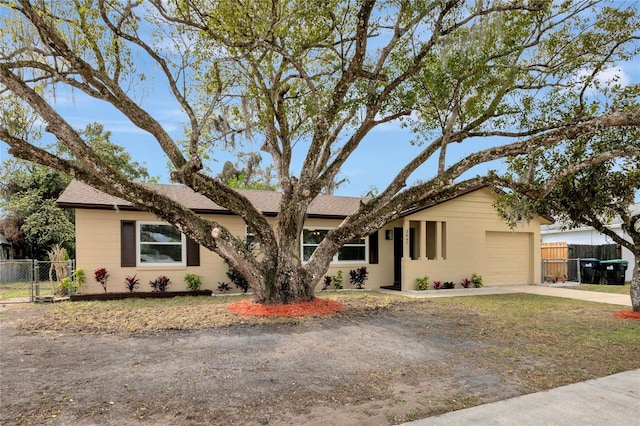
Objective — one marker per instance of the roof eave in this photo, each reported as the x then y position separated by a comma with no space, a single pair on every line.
125,207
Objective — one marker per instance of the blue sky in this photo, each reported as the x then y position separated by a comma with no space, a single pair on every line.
383,153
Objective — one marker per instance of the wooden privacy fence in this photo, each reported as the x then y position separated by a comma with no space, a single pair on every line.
554,250
555,261
602,252
561,261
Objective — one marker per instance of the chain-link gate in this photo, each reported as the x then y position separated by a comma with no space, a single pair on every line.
42,277
46,278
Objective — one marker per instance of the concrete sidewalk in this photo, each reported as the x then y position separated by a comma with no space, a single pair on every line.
589,296
569,293
610,401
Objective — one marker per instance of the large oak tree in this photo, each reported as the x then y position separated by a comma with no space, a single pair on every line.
311,80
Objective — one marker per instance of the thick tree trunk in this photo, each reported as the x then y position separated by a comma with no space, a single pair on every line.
284,282
635,285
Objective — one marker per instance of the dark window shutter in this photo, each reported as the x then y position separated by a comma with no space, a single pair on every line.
193,253
373,248
127,243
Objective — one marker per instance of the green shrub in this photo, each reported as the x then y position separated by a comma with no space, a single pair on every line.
70,285
476,280
65,287
194,282
422,283
338,280
79,277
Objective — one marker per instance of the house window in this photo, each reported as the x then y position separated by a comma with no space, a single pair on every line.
160,244
352,251
129,247
249,237
311,238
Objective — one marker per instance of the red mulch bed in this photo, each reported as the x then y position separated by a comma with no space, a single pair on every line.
627,315
315,307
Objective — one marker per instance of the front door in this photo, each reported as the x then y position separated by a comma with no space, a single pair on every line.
397,256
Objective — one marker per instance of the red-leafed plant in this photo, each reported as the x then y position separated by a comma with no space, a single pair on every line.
358,276
160,284
131,282
465,283
327,282
448,285
437,284
102,276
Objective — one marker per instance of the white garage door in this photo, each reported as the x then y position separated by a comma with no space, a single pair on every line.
508,257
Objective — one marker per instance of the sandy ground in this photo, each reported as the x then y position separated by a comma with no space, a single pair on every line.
377,369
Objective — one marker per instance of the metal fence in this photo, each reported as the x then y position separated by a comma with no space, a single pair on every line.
560,270
42,277
13,271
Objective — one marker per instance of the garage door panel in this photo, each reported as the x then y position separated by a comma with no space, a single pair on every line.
508,257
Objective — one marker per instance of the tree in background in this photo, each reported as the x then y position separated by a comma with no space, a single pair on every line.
31,220
114,156
310,81
585,192
247,174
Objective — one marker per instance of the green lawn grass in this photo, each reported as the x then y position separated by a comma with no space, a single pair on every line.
21,289
13,290
618,289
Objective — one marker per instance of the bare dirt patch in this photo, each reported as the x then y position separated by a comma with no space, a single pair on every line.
378,362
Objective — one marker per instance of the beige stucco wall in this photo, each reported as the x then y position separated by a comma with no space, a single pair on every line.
469,219
98,246
377,272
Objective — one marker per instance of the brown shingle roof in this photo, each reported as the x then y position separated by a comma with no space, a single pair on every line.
80,195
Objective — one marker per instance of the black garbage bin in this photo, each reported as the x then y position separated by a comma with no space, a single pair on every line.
590,271
613,271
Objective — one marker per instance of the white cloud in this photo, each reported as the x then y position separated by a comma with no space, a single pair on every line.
614,74
605,77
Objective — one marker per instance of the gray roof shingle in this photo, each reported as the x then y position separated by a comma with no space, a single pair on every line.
81,195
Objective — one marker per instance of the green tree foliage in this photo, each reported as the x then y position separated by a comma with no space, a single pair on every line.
27,198
31,219
308,82
114,155
585,186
